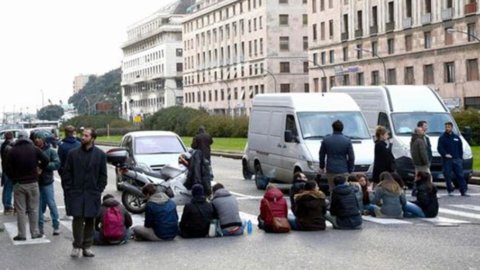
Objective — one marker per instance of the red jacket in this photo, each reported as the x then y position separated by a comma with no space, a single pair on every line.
273,205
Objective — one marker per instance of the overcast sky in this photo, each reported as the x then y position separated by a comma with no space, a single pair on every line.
46,43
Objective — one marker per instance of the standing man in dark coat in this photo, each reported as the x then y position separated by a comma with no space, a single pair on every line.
202,141
85,178
424,125
337,149
418,151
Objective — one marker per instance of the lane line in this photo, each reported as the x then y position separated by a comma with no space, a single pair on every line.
467,206
443,220
385,221
11,228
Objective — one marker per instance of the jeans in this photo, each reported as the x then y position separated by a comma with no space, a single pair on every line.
98,238
26,201
234,231
7,192
293,223
411,210
47,198
83,229
454,165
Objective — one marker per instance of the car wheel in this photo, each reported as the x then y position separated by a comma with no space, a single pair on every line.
133,203
261,181
247,175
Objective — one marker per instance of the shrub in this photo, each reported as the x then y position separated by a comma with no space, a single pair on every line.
98,122
470,118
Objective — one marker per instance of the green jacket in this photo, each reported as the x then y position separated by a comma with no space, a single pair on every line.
46,177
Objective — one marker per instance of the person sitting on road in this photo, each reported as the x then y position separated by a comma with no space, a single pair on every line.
273,205
410,209
225,208
344,211
357,190
161,218
298,185
391,196
112,223
310,209
196,215
426,195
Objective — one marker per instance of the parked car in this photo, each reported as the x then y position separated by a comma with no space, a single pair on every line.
16,133
152,149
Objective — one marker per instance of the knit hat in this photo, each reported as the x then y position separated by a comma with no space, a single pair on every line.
197,191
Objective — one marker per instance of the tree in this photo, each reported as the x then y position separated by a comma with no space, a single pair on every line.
50,112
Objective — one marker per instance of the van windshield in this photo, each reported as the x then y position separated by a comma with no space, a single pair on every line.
316,125
405,123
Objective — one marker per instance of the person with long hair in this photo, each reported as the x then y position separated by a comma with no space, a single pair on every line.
426,195
391,196
383,159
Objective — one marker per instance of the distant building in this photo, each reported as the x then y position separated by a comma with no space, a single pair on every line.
371,42
234,50
152,65
79,82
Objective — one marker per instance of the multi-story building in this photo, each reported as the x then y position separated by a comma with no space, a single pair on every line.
368,42
152,63
235,49
79,82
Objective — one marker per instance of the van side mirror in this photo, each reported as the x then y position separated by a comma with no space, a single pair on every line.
289,137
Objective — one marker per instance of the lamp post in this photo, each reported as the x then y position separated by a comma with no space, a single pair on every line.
453,30
229,96
322,69
274,79
380,58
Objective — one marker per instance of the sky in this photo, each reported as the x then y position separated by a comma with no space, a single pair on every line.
45,44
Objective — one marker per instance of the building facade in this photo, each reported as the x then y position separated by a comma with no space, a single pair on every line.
371,42
235,49
79,82
152,63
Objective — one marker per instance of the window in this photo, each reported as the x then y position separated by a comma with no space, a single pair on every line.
305,43
408,43
330,29
428,6
409,76
290,125
392,76
427,39
375,16
322,5
391,46
409,8
359,20
179,67
314,31
449,72
332,56
391,13
315,58
305,67
324,84
449,3
282,1
471,32
322,30
448,37
472,70
283,19
323,58
284,88
345,54
314,6
375,77
428,74
359,51
284,67
284,43
305,19
315,85
374,48
332,83
179,52
306,87
360,78
346,79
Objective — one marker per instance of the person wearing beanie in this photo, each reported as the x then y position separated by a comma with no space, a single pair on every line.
197,215
344,211
104,222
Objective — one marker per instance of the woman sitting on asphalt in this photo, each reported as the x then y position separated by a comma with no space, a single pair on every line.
426,195
390,195
310,209
273,205
196,215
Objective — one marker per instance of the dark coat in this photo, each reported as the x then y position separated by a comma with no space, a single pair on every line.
196,218
383,160
22,162
198,173
427,199
338,150
450,144
46,177
161,215
202,141
68,144
418,150
84,180
344,206
6,146
297,187
310,209
127,218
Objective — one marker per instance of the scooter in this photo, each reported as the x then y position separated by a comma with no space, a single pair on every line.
170,179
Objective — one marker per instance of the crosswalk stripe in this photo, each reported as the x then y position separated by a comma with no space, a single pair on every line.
11,228
443,220
467,206
385,221
458,213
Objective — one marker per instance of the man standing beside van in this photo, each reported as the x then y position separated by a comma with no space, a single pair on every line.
424,125
451,149
338,150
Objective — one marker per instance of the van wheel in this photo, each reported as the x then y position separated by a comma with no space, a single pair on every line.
247,175
261,181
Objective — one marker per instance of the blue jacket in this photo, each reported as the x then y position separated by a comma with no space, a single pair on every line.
68,144
450,144
339,152
344,206
161,215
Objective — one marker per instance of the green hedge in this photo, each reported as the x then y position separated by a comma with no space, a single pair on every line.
98,122
470,118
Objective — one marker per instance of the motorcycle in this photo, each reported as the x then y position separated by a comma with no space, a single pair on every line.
170,179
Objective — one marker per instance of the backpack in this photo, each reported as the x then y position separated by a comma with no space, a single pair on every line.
113,228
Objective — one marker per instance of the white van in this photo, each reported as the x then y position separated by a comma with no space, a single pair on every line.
399,108
286,130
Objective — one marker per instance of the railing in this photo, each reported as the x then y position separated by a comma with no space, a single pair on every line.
447,14
390,26
407,23
426,18
374,30
359,33
471,8
344,36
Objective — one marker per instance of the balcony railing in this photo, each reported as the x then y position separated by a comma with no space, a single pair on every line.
407,23
344,36
426,18
358,33
390,26
471,8
447,14
374,30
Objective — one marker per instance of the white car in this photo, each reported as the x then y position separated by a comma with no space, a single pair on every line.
152,149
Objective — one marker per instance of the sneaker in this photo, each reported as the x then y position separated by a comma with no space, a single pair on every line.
75,252
19,238
88,253
8,212
56,232
36,236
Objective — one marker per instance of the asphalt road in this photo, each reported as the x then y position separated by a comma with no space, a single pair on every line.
450,242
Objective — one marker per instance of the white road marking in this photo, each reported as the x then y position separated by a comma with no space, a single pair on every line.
459,213
467,206
444,220
11,228
385,221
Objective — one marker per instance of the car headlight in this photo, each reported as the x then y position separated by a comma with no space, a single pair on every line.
312,165
467,153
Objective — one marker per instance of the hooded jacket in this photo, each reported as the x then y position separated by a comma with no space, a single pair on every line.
418,150
23,160
202,141
46,177
310,209
344,206
392,197
111,202
161,215
427,199
196,218
226,209
272,205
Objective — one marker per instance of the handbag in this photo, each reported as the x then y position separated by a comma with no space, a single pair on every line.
280,225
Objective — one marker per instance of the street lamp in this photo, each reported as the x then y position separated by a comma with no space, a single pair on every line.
229,96
274,79
380,58
322,69
453,30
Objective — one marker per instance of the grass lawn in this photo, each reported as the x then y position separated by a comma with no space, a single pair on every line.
219,144
476,158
